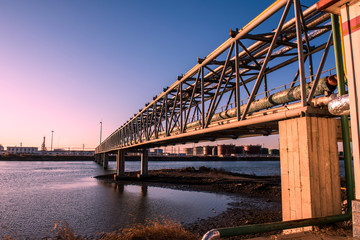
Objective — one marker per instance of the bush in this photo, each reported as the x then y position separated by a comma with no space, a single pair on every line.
163,229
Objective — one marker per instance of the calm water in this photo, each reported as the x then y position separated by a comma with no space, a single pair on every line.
258,168
34,195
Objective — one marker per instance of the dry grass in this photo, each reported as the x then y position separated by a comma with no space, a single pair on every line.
65,232
162,229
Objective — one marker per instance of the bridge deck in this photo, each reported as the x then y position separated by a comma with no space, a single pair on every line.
231,76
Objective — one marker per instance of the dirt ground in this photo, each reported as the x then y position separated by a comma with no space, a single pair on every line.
266,190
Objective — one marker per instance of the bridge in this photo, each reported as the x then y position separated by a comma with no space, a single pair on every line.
257,83
219,97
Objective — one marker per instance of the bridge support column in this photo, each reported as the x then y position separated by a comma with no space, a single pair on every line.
144,163
310,178
96,158
105,160
120,163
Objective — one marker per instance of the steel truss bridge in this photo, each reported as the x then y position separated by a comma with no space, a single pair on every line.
220,97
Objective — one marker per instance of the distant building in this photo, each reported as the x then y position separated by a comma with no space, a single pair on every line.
158,151
62,152
189,151
274,152
264,151
225,150
239,150
207,150
252,149
198,151
2,149
22,150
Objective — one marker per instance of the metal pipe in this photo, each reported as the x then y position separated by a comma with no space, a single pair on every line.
285,96
339,105
267,227
344,119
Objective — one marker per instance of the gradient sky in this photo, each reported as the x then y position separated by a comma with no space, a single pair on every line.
67,65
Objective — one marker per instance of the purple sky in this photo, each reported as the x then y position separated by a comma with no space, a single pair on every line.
67,65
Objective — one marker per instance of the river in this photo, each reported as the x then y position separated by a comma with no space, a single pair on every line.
34,195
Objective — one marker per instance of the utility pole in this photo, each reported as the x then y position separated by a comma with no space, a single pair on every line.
100,131
52,135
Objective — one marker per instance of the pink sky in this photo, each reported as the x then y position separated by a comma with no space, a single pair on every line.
67,65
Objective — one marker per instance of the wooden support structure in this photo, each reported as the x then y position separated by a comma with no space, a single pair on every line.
120,163
310,178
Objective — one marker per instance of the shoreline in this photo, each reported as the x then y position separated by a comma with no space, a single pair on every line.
137,158
264,189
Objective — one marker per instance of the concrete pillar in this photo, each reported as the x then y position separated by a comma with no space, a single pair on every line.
120,163
105,160
144,163
310,178
98,158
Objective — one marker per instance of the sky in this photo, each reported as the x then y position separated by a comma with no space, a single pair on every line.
66,66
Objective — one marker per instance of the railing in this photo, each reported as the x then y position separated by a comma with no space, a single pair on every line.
239,66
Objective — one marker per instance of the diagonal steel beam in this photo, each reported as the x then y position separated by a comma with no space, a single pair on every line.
212,105
267,58
320,68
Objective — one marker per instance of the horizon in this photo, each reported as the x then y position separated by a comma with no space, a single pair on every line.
67,66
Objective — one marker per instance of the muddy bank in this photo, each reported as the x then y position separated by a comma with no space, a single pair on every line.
267,189
207,179
264,189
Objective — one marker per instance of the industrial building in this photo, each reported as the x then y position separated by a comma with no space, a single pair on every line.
22,150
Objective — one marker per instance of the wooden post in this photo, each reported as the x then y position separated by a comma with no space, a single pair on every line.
120,163
310,178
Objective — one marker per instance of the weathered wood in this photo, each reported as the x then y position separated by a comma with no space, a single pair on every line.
314,168
305,167
335,171
309,168
284,167
338,130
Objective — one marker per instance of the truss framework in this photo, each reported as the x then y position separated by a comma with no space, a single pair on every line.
230,78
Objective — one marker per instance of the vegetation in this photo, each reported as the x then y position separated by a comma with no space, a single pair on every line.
153,230
162,229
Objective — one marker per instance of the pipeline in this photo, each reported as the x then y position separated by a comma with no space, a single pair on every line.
267,227
325,85
276,226
340,105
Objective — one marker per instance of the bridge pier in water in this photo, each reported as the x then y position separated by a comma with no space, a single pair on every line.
310,179
144,163
105,160
97,158
120,163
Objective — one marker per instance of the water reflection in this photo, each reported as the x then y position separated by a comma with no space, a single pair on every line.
144,189
120,187
48,192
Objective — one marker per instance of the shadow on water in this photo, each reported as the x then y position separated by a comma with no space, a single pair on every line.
120,187
138,193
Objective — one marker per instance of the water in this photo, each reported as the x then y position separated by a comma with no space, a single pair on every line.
258,168
34,195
